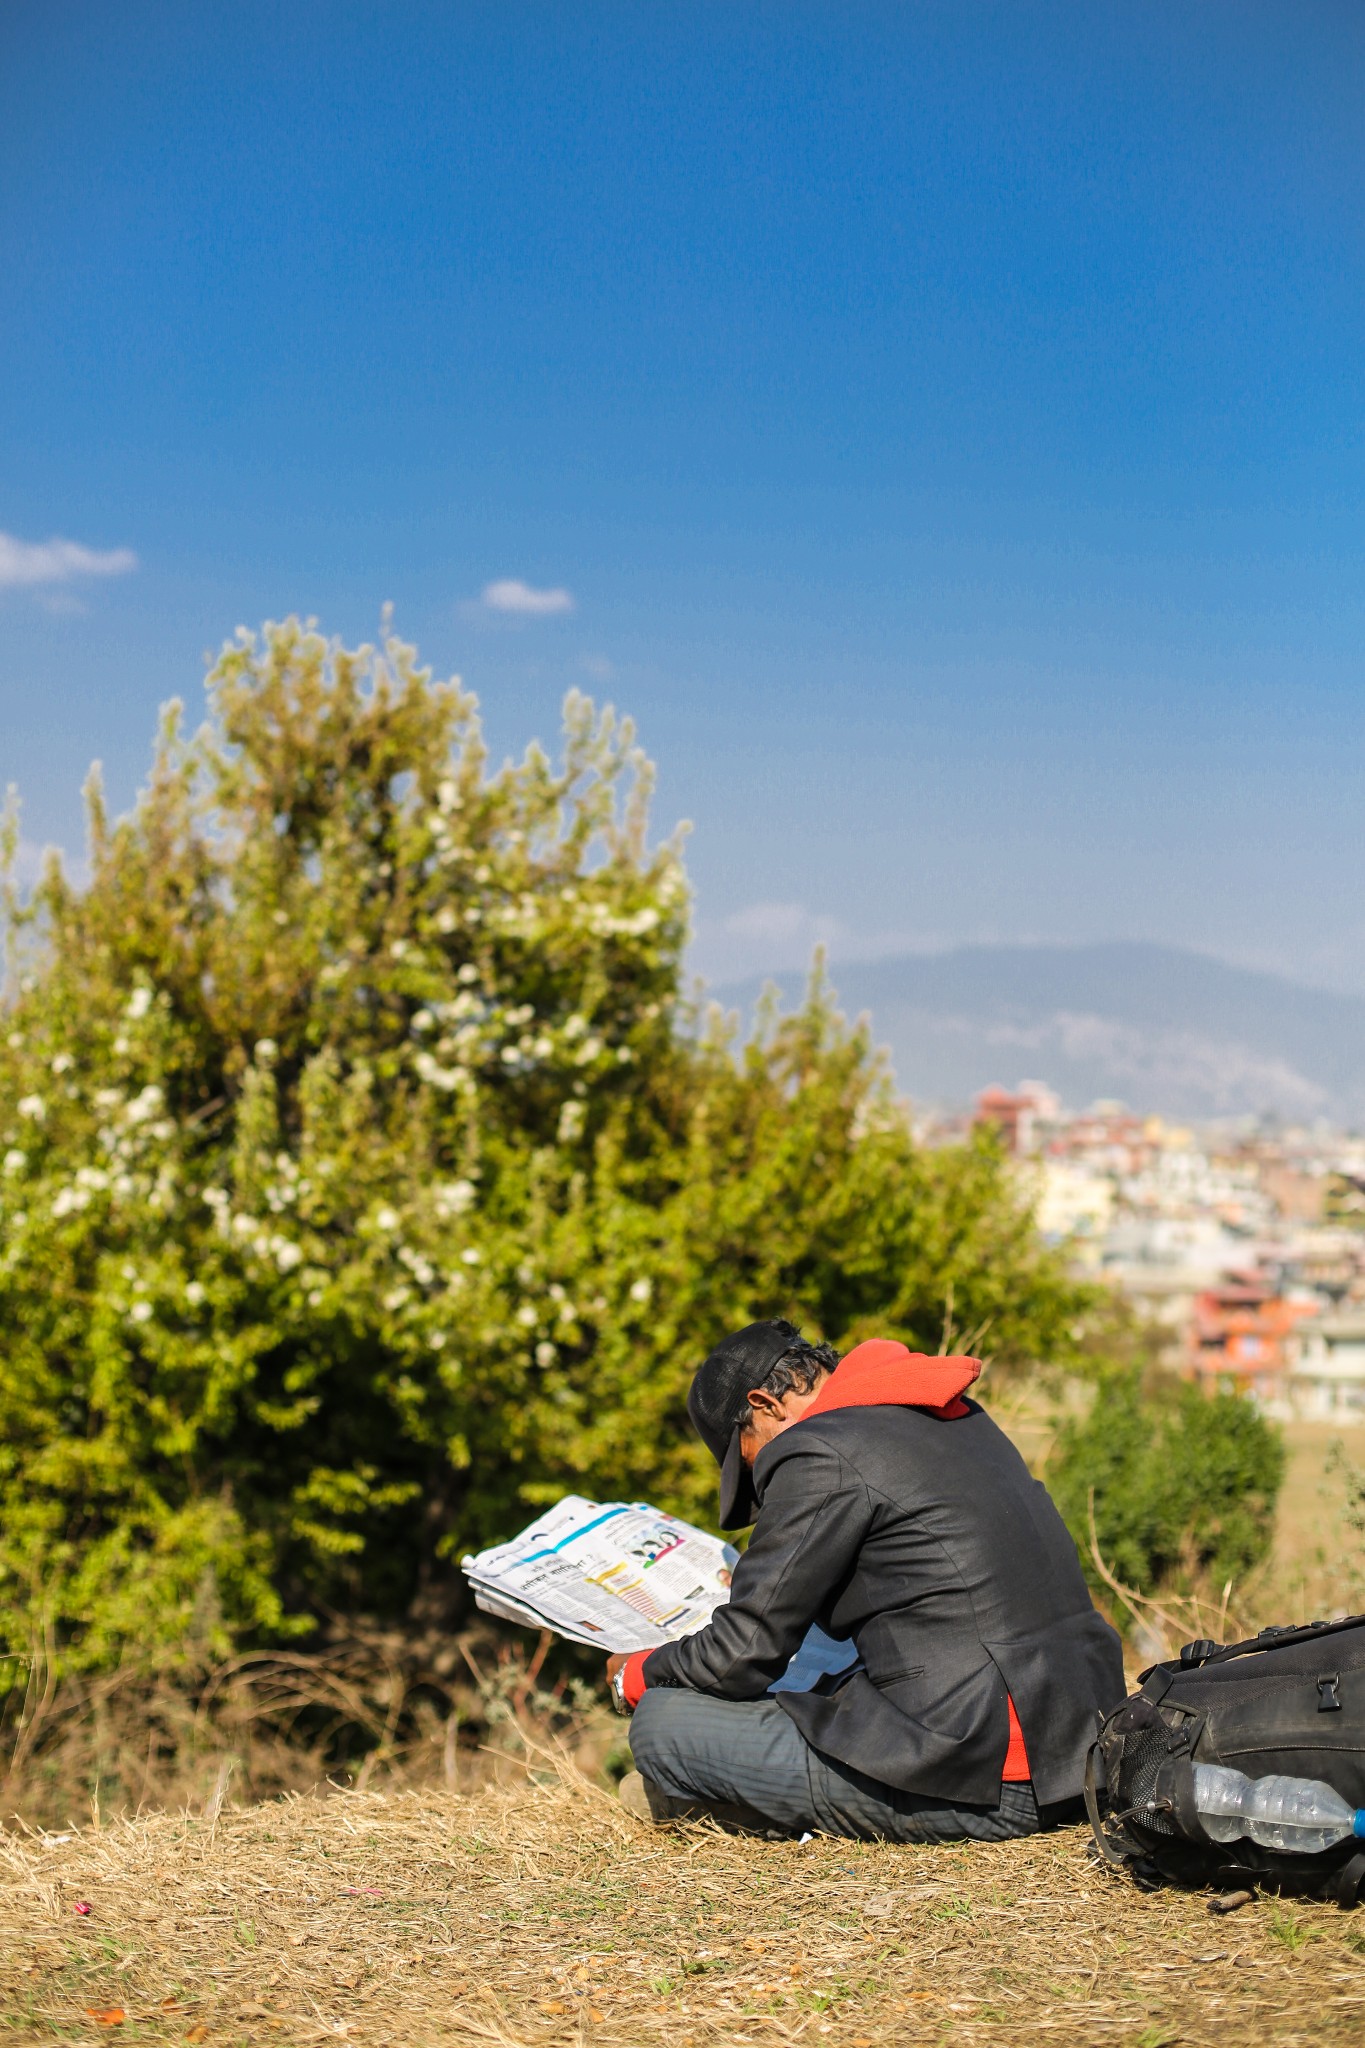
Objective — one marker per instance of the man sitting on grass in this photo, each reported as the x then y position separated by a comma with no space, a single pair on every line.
887,1509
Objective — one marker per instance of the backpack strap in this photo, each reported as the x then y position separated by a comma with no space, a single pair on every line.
1278,1638
1103,1841
1349,1880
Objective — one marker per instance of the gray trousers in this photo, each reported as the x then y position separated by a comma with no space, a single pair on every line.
749,1754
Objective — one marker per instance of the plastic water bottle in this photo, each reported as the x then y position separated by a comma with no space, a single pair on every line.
1298,1815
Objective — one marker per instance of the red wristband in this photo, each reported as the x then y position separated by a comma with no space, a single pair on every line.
633,1682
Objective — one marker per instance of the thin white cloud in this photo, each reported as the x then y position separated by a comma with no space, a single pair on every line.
28,863
510,594
779,938
26,563
30,859
782,925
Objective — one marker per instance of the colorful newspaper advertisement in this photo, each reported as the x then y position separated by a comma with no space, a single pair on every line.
620,1576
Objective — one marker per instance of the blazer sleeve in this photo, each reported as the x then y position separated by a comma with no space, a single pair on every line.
814,1516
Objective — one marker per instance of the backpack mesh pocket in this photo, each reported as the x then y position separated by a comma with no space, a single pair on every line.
1144,1752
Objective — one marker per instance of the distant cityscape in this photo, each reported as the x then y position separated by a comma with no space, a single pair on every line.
1244,1242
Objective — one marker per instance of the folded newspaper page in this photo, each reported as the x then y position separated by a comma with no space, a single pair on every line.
618,1575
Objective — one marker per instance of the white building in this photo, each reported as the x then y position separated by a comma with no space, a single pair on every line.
1075,1206
1327,1377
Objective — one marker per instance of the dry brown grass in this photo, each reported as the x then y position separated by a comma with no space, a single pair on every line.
448,1895
539,1913
373,1712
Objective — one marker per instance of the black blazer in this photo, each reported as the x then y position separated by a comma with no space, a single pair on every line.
928,1542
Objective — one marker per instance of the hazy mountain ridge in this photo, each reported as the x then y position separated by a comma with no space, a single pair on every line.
1164,1029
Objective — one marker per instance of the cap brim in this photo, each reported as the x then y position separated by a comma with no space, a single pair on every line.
738,1506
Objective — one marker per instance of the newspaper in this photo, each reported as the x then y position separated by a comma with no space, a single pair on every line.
619,1576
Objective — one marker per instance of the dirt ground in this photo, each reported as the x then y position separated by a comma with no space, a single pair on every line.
542,1914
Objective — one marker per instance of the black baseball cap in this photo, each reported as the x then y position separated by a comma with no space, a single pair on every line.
738,1364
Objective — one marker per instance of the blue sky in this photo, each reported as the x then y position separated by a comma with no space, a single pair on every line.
943,424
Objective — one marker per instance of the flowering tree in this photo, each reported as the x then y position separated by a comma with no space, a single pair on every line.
364,1183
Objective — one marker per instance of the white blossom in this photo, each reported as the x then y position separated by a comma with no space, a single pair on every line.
386,1218
422,1020
15,1160
144,1105
33,1107
139,1002
194,1293
641,1290
527,1317
572,1117
435,1075
546,1354
453,1197
63,1063
141,1312
471,1255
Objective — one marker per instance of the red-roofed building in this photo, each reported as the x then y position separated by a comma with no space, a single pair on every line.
1241,1336
1016,1116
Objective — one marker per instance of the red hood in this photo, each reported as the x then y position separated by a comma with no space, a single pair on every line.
883,1374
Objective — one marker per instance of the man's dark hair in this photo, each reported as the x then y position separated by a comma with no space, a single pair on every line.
795,1372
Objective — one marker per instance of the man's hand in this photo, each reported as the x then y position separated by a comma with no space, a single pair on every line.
615,1666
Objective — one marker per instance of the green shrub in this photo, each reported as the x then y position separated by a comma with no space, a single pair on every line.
365,1184
1184,1483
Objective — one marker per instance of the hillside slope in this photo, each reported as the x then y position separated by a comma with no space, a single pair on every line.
1158,1027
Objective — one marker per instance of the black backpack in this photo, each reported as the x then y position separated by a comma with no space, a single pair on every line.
1289,1700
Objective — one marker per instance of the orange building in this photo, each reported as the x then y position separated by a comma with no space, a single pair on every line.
1241,1337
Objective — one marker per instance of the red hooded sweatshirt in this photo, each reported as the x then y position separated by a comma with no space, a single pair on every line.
883,1374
